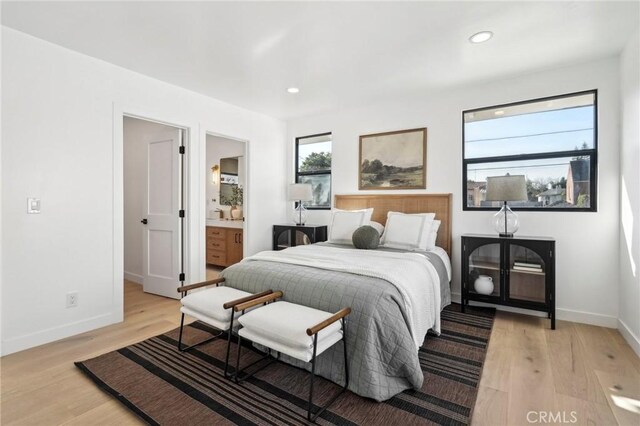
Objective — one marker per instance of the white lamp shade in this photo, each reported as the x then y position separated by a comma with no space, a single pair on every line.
506,188
300,192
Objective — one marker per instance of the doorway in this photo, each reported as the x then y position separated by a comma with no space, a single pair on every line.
226,189
154,219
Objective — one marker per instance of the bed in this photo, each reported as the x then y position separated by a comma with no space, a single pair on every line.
395,295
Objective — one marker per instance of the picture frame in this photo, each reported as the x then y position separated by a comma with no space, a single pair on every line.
393,160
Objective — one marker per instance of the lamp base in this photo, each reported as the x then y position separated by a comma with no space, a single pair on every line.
506,222
299,214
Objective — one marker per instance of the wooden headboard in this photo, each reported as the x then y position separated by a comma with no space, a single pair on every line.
440,204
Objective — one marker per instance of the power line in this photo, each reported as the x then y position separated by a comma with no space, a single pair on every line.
533,166
529,136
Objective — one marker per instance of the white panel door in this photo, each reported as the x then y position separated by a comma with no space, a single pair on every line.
162,240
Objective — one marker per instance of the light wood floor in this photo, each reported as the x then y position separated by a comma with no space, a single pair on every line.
588,370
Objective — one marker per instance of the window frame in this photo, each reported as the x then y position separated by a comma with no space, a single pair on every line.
315,173
592,153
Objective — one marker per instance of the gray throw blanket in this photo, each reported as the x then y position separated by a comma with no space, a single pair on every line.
383,360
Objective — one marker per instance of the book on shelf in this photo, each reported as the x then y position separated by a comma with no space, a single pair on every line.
528,265
527,269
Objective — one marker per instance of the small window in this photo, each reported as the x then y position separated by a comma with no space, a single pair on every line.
551,141
313,165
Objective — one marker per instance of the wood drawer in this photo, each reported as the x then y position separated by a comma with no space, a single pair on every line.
216,244
216,232
217,257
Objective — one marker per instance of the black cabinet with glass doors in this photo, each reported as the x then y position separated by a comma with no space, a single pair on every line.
518,272
285,236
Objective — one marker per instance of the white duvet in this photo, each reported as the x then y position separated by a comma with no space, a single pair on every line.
411,273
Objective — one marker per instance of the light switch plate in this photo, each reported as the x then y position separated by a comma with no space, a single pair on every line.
33,205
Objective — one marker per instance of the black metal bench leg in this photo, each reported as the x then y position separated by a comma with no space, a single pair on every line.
267,356
312,417
226,362
180,337
313,375
235,378
186,348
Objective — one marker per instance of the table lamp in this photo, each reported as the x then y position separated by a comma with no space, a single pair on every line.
300,192
506,188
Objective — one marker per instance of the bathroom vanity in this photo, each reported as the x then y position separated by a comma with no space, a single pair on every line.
224,242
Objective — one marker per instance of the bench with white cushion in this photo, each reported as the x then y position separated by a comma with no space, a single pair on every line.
213,306
301,332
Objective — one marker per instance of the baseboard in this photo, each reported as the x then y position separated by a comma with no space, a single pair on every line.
561,314
587,318
629,336
49,335
130,276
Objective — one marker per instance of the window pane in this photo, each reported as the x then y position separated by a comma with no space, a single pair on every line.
551,183
314,154
321,188
561,124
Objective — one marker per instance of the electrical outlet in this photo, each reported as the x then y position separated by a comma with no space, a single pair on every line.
72,299
33,205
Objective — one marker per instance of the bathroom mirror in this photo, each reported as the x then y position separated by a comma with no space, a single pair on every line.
228,179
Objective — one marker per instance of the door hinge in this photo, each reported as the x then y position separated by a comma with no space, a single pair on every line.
181,276
181,213
181,150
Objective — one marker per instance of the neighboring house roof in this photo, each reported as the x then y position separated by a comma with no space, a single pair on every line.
551,192
473,185
579,170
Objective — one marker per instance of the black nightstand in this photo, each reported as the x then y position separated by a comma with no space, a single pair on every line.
285,236
522,270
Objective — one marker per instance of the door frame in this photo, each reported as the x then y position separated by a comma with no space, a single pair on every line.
190,192
246,235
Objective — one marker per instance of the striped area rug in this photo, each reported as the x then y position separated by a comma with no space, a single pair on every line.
164,386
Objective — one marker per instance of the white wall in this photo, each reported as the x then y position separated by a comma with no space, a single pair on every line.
135,177
629,321
587,243
217,148
60,142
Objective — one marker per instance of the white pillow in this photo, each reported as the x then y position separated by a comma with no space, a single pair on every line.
378,227
345,222
407,231
433,235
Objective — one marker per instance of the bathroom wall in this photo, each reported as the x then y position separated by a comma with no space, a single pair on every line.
217,148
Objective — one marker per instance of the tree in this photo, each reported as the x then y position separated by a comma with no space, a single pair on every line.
316,161
535,187
563,182
374,166
583,200
582,147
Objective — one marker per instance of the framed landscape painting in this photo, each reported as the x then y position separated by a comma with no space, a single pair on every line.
393,160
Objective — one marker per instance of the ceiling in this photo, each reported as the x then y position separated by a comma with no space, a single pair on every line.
338,53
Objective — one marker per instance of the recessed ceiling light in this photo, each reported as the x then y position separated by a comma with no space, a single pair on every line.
481,37
293,90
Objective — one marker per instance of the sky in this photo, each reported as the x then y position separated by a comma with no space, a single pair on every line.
548,131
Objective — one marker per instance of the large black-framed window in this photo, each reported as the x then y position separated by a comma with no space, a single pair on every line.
552,141
313,166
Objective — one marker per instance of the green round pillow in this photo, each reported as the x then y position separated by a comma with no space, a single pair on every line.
366,237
